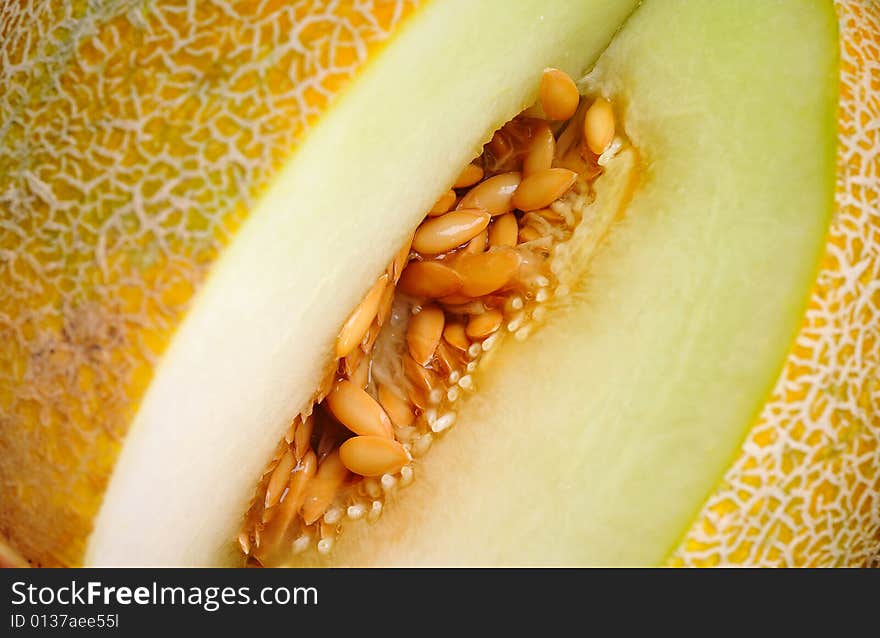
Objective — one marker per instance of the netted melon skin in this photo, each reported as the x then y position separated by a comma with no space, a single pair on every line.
805,489
133,138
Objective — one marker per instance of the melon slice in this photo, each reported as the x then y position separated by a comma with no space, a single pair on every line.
651,373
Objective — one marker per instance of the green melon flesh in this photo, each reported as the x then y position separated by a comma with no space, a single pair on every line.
596,441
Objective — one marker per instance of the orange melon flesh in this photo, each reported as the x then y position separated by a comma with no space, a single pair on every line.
242,291
596,441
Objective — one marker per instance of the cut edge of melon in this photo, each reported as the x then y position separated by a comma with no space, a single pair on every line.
250,353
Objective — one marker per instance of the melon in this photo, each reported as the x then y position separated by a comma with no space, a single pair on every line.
214,325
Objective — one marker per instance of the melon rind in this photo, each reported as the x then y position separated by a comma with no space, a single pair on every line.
805,489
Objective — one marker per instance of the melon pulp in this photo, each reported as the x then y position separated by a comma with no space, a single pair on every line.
597,440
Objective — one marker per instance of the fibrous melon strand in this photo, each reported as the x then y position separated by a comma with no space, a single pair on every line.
483,264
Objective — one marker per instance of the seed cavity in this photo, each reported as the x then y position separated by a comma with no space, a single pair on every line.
484,264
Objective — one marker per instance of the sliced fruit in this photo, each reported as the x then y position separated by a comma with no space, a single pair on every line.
670,304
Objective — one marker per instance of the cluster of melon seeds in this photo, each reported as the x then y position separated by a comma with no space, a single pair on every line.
481,264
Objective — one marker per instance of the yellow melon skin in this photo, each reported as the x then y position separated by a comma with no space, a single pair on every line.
98,105
805,490
131,137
